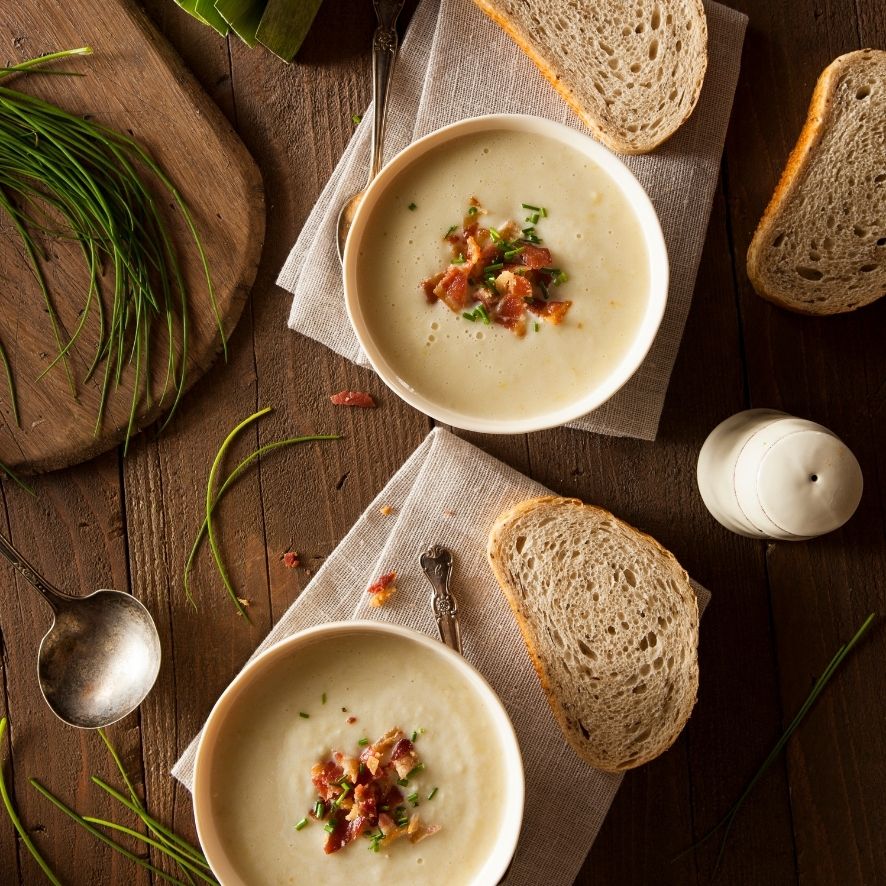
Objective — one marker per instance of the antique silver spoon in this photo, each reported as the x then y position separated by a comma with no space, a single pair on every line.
436,563
384,51
101,656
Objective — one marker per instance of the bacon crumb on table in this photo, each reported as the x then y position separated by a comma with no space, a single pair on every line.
386,510
353,398
498,276
382,589
290,559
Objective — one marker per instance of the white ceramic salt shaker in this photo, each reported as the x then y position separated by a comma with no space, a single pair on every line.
766,474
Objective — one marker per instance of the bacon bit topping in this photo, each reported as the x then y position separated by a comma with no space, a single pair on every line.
351,721
386,510
382,589
353,398
359,795
290,559
497,276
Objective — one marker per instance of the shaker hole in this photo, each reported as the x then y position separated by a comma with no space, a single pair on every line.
813,478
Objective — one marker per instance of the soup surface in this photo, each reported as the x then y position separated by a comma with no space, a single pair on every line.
261,773
482,370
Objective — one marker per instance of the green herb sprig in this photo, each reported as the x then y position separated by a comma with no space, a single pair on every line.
214,496
72,177
16,821
820,684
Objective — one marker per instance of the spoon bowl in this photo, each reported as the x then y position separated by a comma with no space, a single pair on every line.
101,656
99,659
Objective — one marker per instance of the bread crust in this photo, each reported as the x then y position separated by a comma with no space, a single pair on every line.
598,127
496,533
820,108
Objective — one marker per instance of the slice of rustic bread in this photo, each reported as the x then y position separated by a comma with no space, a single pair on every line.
631,70
610,621
820,247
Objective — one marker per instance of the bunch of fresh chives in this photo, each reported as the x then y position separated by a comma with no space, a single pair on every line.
69,176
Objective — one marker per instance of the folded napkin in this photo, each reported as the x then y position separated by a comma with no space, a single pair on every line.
449,48
450,492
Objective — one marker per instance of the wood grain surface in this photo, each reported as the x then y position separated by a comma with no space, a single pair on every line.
779,610
136,84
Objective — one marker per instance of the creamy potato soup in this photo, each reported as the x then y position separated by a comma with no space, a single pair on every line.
263,795
532,193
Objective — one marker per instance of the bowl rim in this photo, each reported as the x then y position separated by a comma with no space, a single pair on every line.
643,210
505,845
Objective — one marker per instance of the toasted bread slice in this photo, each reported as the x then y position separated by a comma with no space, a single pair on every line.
632,71
820,247
610,621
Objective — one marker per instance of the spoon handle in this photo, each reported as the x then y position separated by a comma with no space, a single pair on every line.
384,51
436,563
50,593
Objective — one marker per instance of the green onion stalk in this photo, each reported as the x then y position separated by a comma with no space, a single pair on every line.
71,177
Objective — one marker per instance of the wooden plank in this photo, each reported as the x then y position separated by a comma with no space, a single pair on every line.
134,83
829,370
73,532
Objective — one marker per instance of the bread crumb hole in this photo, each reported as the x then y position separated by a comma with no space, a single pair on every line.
880,178
586,650
866,269
809,273
653,49
652,638
656,19
639,689
657,664
610,629
778,240
520,543
863,92
630,578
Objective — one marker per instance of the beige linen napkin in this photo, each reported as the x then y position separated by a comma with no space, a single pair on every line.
450,48
450,492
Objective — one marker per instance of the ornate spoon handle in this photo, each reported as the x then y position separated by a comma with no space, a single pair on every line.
436,563
384,51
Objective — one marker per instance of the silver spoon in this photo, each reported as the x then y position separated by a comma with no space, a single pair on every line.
436,563
101,656
384,51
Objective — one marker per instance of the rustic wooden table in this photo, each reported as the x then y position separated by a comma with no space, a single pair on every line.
779,610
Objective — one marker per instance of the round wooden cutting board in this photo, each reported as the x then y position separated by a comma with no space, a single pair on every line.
135,83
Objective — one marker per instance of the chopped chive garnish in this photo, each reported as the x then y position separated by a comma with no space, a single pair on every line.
414,734
413,798
362,768
561,278
459,259
363,742
452,230
402,782
512,253
530,206
497,266
415,769
496,237
301,824
319,809
304,716
329,828
472,210
356,118
412,207
533,218
338,800
544,212
323,698
479,313
434,792
537,327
